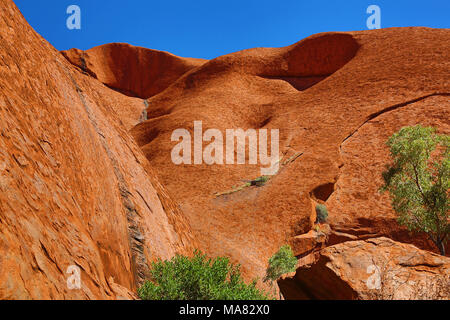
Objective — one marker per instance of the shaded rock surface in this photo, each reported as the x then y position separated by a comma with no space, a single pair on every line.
75,189
336,98
378,268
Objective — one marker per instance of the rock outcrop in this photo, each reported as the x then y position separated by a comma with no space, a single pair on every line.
75,189
372,269
87,179
133,71
336,98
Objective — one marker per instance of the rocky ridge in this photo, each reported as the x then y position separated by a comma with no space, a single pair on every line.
86,177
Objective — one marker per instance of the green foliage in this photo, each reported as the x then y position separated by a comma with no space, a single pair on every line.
280,263
322,213
198,278
418,181
260,180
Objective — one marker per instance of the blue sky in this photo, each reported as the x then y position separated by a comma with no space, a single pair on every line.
207,29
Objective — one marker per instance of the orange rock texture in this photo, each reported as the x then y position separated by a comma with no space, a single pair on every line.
375,269
75,189
87,179
336,98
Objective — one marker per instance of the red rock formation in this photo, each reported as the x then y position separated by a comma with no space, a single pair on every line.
74,187
364,156
336,98
134,71
373,269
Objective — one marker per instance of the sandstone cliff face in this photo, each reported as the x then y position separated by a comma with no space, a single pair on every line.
75,190
336,98
134,71
373,269
80,144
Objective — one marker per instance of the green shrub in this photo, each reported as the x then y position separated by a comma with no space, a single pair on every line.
322,213
418,181
198,278
281,263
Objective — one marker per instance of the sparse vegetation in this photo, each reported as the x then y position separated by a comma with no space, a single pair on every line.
233,190
418,181
282,262
321,213
258,182
198,278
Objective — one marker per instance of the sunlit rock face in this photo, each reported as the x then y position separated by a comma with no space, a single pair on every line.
75,189
86,174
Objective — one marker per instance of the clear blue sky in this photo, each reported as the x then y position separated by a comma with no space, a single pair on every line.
210,28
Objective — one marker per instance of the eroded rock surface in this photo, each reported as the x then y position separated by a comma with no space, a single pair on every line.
75,189
134,71
336,98
82,134
378,268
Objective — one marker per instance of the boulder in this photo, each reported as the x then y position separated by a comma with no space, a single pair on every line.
335,98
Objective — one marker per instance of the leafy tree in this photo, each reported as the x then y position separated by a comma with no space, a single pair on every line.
280,263
322,213
198,278
418,181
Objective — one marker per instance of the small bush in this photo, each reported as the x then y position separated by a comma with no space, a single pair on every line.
281,263
198,278
418,181
260,181
322,213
